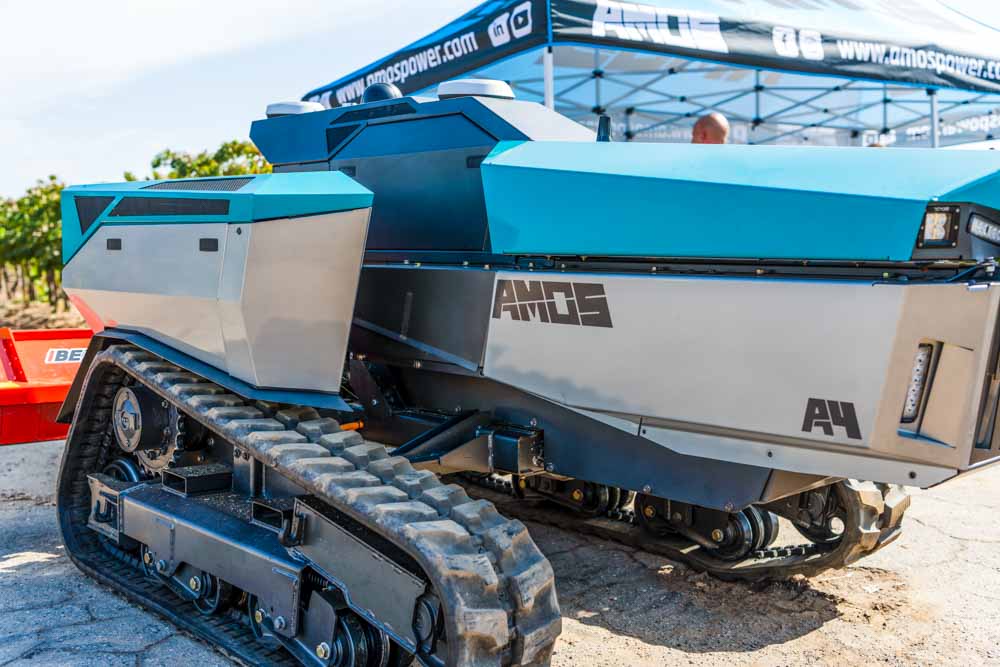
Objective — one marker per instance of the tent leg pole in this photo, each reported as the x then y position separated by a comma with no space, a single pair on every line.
548,74
935,120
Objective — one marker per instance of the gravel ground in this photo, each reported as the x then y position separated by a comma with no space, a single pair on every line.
38,316
930,598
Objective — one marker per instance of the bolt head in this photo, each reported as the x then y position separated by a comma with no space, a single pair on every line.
161,566
147,558
717,535
649,511
279,623
677,516
258,616
323,651
550,467
577,495
647,489
194,583
522,484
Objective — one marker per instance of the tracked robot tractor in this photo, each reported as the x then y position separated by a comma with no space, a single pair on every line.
302,380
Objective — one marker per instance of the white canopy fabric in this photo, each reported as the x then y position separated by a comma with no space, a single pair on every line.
850,72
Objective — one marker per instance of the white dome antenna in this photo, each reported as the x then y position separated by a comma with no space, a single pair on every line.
276,109
475,88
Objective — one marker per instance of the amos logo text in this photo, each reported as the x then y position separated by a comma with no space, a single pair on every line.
659,25
552,302
511,25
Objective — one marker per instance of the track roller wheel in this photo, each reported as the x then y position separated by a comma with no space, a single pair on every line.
758,527
740,536
215,595
255,616
124,470
587,498
650,514
350,643
614,498
770,527
148,564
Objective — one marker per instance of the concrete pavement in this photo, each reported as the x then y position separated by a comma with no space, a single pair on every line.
930,598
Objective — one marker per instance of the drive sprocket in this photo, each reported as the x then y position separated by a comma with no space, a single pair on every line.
151,429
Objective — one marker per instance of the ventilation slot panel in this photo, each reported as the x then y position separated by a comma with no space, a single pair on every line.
156,206
203,184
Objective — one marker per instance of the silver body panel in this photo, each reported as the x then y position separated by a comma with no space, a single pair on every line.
271,307
724,368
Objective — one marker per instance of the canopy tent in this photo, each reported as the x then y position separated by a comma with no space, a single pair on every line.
847,72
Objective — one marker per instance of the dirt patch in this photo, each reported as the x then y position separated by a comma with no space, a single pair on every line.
39,316
26,498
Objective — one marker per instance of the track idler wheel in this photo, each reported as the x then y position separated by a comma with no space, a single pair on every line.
828,527
141,419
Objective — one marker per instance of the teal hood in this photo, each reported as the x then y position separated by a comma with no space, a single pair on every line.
229,199
731,201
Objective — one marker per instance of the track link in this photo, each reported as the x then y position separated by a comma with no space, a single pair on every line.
496,588
874,517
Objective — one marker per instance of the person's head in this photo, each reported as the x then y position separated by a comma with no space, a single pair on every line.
712,128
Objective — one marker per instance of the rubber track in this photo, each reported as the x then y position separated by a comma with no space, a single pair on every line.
90,447
875,512
496,587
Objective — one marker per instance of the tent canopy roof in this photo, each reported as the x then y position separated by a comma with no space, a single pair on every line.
920,42
786,65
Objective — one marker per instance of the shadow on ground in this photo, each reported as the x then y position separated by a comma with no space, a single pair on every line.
664,603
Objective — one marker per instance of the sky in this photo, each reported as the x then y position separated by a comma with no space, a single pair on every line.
89,90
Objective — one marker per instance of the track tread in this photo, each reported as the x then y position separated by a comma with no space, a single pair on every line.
495,583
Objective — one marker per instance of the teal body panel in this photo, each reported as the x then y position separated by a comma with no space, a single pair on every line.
266,197
728,201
